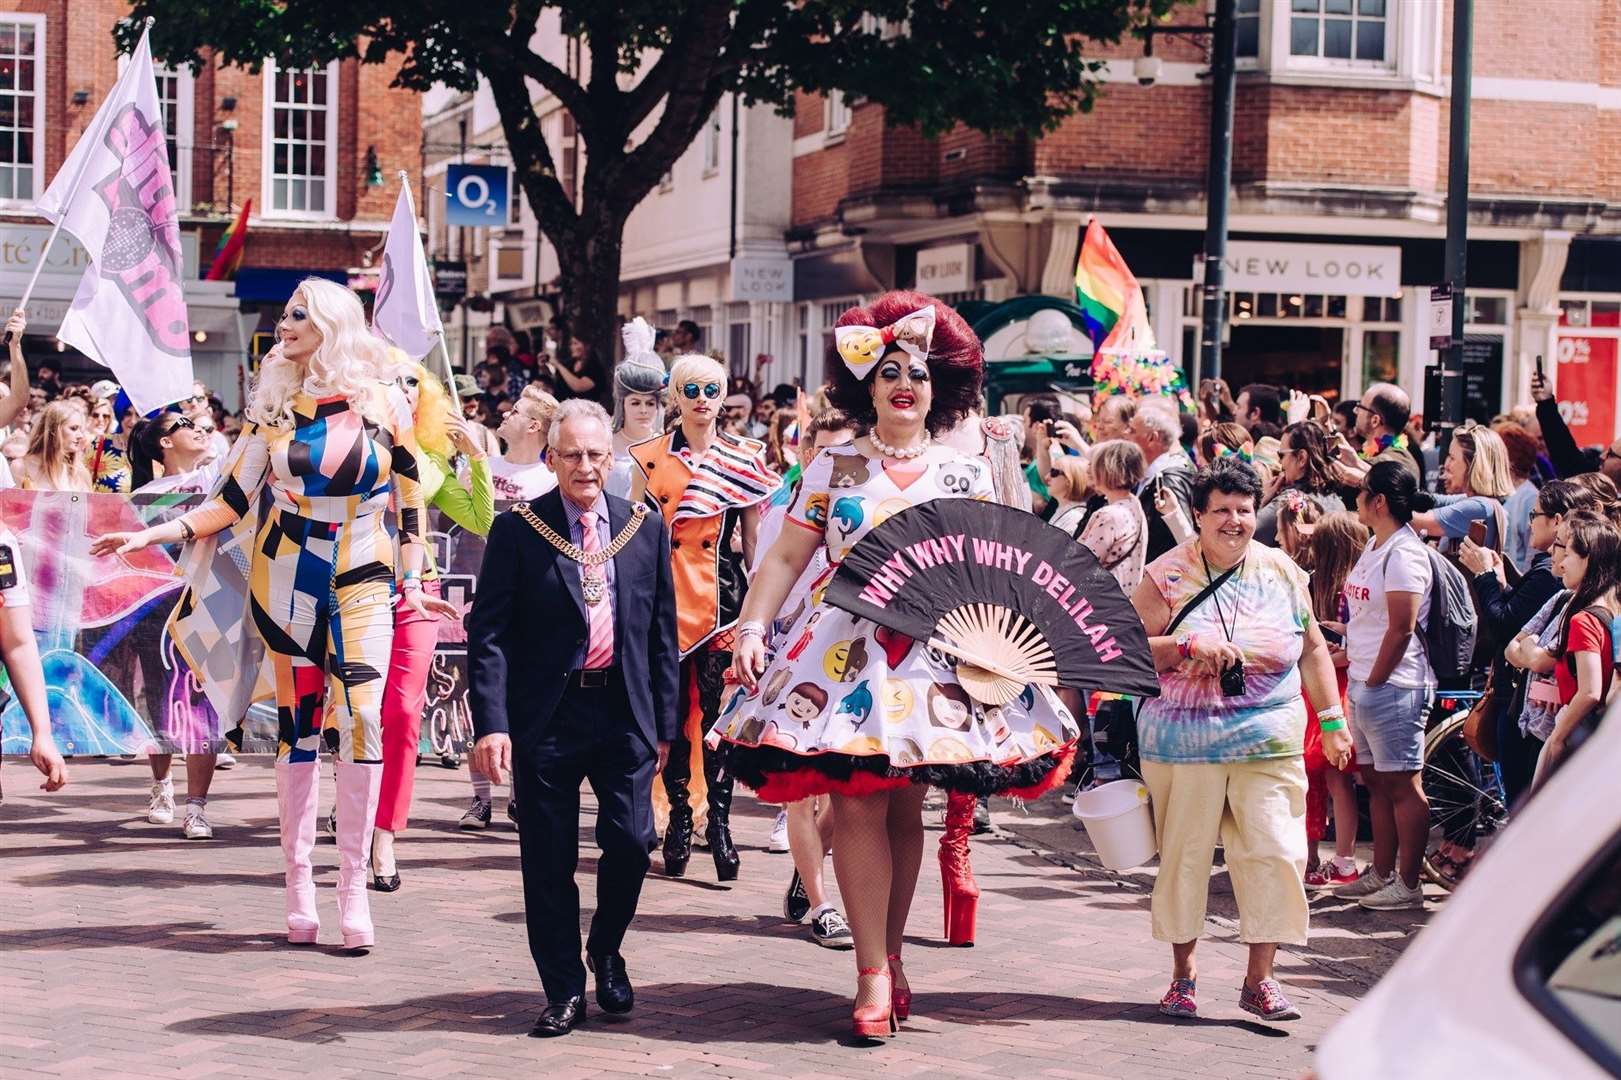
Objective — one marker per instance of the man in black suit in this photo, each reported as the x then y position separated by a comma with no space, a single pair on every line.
572,659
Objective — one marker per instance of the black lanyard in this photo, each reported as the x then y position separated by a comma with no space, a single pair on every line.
1215,595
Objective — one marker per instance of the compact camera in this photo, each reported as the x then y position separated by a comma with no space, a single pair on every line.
1232,680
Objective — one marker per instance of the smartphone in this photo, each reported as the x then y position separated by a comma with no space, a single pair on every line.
1477,533
1330,635
1540,373
8,567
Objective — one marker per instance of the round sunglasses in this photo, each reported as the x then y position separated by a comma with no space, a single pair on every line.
709,390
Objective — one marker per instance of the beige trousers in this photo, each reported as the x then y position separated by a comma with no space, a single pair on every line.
1258,810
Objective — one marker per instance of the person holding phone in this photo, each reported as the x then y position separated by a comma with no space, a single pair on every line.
1477,480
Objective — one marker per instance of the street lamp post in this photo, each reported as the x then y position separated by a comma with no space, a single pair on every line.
1219,174
1457,246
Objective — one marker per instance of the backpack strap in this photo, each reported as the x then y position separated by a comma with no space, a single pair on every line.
1204,594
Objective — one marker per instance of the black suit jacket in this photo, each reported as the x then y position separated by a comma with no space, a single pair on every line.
528,625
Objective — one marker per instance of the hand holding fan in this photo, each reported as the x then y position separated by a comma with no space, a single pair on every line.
1016,601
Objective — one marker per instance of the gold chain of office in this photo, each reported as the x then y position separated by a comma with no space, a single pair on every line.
592,585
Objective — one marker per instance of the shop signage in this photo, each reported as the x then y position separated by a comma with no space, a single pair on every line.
1331,269
21,246
946,269
476,195
450,279
762,277
1585,387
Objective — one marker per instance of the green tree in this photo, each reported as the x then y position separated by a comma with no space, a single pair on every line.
653,71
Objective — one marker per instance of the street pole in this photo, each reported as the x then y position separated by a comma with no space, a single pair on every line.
1223,76
1457,249
461,249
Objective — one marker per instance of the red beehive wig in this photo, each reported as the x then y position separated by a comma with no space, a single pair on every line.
956,362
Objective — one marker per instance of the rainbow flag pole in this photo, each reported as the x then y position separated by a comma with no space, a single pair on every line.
228,255
1110,299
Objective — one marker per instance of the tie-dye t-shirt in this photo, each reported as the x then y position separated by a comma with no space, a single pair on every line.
1268,607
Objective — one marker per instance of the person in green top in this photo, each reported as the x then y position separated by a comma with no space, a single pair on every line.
441,434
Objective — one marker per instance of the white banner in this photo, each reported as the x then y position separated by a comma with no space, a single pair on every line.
114,193
406,310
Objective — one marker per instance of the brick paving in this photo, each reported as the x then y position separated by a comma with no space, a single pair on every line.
129,952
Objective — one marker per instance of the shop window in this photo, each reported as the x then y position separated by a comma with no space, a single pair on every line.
1569,967
1381,309
1344,30
1381,356
1334,307
704,317
1313,308
22,105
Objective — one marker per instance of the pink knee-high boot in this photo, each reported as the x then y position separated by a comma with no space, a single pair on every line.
297,791
358,787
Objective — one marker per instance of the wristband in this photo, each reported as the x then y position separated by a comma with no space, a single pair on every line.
1331,712
752,628
410,584
1331,725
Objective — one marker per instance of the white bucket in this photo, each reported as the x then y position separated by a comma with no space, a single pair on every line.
1119,823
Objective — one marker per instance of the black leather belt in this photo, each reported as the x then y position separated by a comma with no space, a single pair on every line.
594,678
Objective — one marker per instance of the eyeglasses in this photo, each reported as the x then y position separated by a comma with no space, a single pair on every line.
1557,546
573,458
1357,406
1611,452
709,390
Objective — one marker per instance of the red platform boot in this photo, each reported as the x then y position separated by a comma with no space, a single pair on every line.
956,875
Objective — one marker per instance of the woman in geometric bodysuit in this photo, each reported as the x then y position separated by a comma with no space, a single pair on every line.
330,444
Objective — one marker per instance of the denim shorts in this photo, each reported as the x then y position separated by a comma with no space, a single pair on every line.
1387,725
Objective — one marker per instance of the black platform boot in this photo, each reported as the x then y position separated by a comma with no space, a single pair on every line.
678,834
719,831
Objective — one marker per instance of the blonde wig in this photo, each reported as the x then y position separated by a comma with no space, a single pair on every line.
349,361
432,418
695,368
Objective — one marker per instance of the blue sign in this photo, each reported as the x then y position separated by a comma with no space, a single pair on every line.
476,195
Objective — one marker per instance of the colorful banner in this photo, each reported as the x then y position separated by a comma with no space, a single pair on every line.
116,684
1585,387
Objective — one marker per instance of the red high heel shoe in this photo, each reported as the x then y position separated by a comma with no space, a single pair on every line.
874,1021
900,997
956,874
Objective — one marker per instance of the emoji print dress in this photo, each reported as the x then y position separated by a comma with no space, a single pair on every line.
847,706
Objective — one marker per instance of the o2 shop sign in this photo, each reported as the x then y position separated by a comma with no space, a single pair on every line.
1333,269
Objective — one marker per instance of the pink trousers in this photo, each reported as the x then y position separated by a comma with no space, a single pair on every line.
404,694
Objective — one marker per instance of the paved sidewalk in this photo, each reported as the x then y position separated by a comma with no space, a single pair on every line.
129,952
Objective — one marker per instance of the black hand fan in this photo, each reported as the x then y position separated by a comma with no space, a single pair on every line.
1012,599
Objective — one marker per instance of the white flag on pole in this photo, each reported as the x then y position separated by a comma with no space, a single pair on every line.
406,310
115,194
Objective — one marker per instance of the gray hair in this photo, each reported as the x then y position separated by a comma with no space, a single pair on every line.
1162,420
577,409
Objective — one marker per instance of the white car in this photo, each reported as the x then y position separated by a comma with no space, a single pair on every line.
1520,974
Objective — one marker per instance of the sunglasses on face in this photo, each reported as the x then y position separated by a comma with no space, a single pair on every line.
709,390
181,422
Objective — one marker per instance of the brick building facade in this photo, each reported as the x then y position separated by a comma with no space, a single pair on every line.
1340,140
305,146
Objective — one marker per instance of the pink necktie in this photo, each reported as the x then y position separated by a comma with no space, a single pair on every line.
599,649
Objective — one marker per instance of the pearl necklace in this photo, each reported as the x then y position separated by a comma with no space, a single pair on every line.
895,452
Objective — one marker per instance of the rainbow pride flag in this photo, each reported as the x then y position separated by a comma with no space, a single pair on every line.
1110,299
228,256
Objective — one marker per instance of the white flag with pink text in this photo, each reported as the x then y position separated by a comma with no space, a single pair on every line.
115,194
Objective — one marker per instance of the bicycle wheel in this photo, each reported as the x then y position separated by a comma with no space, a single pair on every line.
1465,795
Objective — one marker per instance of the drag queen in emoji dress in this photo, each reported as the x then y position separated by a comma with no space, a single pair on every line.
847,707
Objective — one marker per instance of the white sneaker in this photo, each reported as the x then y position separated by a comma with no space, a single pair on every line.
1395,896
160,808
196,826
1366,884
779,834
222,760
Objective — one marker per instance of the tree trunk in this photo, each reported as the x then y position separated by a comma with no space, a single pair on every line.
588,279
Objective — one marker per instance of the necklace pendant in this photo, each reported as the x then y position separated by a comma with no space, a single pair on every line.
593,587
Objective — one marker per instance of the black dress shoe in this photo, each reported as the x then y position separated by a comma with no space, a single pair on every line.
559,1018
385,884
614,993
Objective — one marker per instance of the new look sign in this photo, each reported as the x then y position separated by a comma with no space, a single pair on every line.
1335,269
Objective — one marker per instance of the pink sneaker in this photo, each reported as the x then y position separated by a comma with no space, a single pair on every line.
1178,1000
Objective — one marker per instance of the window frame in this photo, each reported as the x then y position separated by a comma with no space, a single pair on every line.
712,144
1283,16
37,21
1530,981
185,89
267,140
837,108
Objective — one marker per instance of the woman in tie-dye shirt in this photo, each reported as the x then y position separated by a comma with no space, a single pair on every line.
1222,745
